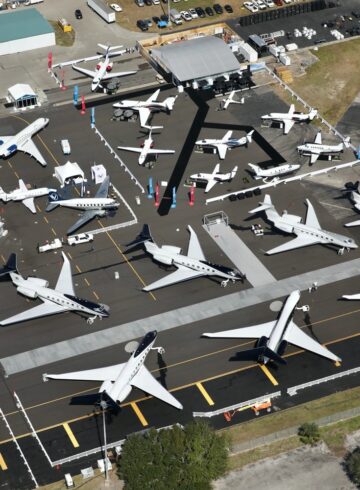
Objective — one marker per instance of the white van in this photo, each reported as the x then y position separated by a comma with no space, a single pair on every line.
65,146
175,17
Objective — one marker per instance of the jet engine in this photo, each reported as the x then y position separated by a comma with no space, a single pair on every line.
98,66
171,249
37,281
30,293
109,67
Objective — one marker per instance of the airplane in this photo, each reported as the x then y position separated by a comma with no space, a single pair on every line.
119,379
98,56
95,206
275,335
314,150
308,233
22,141
226,143
213,178
288,119
25,195
230,100
147,149
261,173
146,107
189,266
103,69
355,197
58,300
10,266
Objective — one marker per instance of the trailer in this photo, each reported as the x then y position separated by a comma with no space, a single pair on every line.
103,10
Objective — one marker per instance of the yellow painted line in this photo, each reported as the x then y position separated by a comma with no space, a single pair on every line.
3,259
9,164
136,409
46,220
16,175
70,434
268,374
38,208
3,465
87,282
54,232
205,394
96,296
78,268
337,364
69,254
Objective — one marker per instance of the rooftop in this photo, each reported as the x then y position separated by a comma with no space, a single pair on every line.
21,24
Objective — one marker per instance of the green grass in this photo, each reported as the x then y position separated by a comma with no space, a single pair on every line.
62,38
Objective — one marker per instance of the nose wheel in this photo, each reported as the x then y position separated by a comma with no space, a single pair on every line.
225,283
91,319
160,350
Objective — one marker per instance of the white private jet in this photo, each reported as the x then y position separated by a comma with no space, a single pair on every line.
22,141
95,206
288,119
314,150
25,195
213,178
355,197
274,335
146,107
230,100
119,379
58,300
226,143
308,233
103,69
189,266
147,149
273,172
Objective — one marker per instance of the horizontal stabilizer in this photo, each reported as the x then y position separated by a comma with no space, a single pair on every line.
351,296
258,354
10,266
263,206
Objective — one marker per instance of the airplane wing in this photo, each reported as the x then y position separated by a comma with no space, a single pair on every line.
221,148
87,216
311,218
298,242
296,336
154,151
145,381
130,148
89,73
153,97
210,184
109,75
103,190
227,136
144,114
45,309
314,156
180,275
100,374
288,124
291,110
65,283
194,250
4,139
318,138
22,185
254,332
29,203
30,148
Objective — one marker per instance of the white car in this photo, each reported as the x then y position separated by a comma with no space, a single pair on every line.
269,3
287,1
65,146
193,13
185,15
250,6
80,238
57,243
260,4
116,7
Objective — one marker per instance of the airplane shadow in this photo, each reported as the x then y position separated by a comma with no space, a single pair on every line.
309,325
163,370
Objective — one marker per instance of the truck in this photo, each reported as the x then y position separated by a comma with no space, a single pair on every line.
103,10
175,17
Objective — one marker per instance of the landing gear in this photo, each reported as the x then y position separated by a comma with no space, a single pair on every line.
160,350
91,319
225,283
304,308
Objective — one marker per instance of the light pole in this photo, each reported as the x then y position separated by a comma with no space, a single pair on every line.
104,406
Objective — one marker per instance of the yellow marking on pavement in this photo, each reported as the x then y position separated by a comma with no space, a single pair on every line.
78,268
87,282
205,394
337,364
126,260
3,259
333,205
70,434
16,175
69,254
3,465
46,220
268,374
96,296
38,208
9,163
136,409
54,232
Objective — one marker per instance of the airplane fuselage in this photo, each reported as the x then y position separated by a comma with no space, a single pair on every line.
309,148
89,203
19,195
16,141
280,117
274,172
140,104
206,177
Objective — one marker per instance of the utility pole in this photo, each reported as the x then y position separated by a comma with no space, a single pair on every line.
104,406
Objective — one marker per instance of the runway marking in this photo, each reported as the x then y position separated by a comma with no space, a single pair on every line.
78,269
268,374
46,220
333,205
38,208
126,260
87,282
9,163
136,409
205,394
3,465
337,364
96,296
70,256
71,434
3,259
16,175
54,232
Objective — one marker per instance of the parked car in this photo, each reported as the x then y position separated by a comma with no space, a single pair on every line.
200,11
228,9
164,18
218,8
278,3
269,3
65,146
148,22
185,15
140,3
56,243
156,19
78,14
287,1
156,2
148,2
80,238
142,25
116,7
260,4
209,11
193,13
252,7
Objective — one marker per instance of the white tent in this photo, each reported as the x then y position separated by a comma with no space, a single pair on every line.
22,95
69,171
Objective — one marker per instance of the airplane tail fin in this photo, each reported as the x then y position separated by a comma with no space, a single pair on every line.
169,103
347,142
233,172
312,114
258,354
53,197
249,136
2,194
254,168
263,206
10,266
144,236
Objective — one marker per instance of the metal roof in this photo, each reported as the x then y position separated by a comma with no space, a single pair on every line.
196,58
21,91
22,23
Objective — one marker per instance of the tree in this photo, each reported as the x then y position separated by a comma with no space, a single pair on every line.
352,466
178,458
309,433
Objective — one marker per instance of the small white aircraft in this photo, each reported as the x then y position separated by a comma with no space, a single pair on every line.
308,233
288,119
273,172
119,379
147,149
22,141
25,195
230,100
189,266
103,69
146,107
314,150
213,178
274,335
355,197
58,300
226,143
98,205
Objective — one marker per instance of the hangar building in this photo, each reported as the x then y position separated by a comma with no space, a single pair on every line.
24,30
